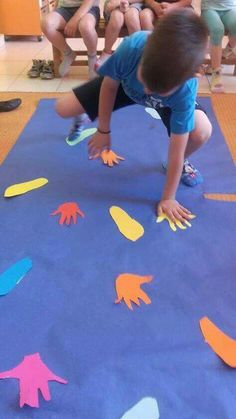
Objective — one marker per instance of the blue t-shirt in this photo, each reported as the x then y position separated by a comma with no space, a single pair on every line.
123,65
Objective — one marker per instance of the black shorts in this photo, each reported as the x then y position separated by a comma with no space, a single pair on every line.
88,95
68,12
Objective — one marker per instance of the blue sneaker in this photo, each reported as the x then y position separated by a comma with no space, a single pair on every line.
190,175
76,129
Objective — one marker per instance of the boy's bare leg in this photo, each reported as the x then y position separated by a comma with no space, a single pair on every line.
147,19
200,134
52,26
132,20
69,106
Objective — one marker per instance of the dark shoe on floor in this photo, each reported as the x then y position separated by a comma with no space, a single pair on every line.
9,105
36,68
47,72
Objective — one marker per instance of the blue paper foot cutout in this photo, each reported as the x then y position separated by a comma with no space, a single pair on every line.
146,408
13,275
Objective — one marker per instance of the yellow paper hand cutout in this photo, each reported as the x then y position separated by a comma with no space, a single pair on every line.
128,288
21,188
109,158
128,226
177,223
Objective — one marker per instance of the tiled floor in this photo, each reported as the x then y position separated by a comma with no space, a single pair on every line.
16,58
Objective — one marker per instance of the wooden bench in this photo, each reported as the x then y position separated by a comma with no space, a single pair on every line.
83,53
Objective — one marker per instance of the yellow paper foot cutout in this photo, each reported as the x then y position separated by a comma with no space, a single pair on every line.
177,223
21,188
227,197
129,227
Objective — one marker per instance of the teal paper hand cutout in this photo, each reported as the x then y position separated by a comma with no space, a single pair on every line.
13,275
146,408
177,223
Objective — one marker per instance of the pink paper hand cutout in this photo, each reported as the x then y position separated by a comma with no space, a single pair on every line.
33,375
69,211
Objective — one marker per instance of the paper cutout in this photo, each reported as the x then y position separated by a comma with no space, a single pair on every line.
84,134
146,408
21,188
220,343
228,197
13,275
109,158
128,288
128,226
69,211
172,224
33,375
153,113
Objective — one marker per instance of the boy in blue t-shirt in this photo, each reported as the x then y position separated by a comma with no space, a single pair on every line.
156,70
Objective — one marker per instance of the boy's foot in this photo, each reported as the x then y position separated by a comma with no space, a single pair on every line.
216,82
190,175
47,72
67,59
92,59
77,128
36,68
102,59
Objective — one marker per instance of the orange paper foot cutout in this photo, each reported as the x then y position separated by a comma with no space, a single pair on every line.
128,288
109,158
69,211
228,197
221,344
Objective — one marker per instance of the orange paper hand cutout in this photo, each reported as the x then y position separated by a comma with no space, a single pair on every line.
109,158
69,211
221,344
128,288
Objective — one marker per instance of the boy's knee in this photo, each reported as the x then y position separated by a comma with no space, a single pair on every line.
60,108
203,134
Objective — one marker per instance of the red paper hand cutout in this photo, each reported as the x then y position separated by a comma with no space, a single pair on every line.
69,211
128,288
33,375
109,158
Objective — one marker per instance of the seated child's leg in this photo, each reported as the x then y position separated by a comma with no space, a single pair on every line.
147,19
216,30
229,20
52,26
87,27
132,20
115,23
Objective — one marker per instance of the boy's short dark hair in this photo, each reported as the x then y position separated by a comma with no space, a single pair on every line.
174,51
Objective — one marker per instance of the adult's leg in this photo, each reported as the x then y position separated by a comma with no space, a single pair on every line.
229,21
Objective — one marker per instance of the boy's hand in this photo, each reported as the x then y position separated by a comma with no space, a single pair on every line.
173,210
97,144
124,5
111,5
158,10
71,27
167,7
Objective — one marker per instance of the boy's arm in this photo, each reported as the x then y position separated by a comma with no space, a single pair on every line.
168,203
101,140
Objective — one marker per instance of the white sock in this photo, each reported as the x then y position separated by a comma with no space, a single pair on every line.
91,63
67,59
